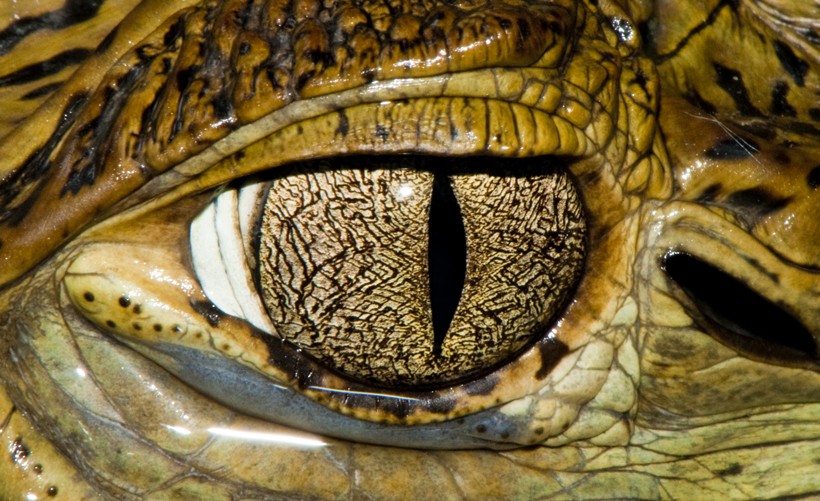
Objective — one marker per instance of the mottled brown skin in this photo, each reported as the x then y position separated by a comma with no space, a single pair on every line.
690,130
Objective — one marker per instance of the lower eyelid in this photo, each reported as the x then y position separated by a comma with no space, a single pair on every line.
205,357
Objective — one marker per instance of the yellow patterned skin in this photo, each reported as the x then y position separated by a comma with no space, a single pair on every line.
664,153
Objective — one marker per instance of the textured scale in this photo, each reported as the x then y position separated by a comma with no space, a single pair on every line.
404,249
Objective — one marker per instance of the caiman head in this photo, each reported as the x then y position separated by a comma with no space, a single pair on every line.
400,249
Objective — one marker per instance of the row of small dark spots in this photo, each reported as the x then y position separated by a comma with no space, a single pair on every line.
19,451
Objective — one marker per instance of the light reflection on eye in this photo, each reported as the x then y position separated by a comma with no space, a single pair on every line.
404,192
367,393
179,430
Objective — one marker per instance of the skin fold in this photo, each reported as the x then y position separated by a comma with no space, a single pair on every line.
223,226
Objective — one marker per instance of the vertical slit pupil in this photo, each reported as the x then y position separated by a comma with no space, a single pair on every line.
447,257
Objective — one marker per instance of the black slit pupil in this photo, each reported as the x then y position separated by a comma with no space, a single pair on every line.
447,257
731,304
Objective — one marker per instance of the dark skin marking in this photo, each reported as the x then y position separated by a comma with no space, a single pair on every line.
791,62
710,19
36,166
552,350
731,470
483,386
73,12
731,81
148,118
88,296
107,41
208,311
780,104
701,102
344,126
41,91
710,193
52,491
125,302
382,133
802,128
814,113
158,327
174,33
41,69
90,166
733,148
782,157
223,108
813,179
756,203
641,80
111,324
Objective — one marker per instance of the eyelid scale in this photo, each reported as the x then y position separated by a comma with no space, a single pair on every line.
142,301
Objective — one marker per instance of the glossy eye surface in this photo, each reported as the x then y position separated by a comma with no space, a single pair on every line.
409,272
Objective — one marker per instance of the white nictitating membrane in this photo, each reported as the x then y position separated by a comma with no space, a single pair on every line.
219,254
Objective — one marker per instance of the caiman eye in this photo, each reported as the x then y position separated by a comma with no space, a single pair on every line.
399,272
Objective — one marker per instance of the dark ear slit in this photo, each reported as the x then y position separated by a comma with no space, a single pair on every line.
737,309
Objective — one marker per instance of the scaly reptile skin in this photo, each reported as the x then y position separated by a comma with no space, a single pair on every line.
222,226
